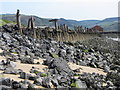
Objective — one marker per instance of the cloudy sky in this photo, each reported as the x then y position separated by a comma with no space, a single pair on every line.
69,9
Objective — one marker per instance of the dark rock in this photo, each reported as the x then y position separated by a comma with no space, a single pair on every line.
77,70
31,77
5,81
12,71
106,68
31,86
47,83
54,82
38,81
114,77
27,60
8,63
80,84
61,66
10,27
24,75
62,53
16,85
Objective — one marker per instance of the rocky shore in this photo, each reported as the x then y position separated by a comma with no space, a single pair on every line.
50,64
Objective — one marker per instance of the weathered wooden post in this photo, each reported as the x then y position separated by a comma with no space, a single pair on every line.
55,22
33,26
56,28
32,22
18,20
29,23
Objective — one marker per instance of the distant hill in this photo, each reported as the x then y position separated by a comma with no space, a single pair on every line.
109,24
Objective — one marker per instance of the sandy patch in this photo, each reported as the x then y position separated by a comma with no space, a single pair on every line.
2,58
86,69
1,50
26,68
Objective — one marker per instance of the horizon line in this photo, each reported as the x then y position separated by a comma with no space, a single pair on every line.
58,17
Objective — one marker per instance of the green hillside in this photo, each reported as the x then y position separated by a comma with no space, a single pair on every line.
3,22
109,24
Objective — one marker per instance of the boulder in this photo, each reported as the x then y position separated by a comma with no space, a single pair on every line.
79,84
12,71
16,85
47,83
24,75
38,81
5,81
27,60
61,66
4,87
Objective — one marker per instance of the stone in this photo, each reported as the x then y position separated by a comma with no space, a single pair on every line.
2,67
4,87
61,66
12,64
16,85
77,70
27,60
79,84
24,75
5,81
6,36
38,81
31,86
54,82
114,77
62,53
9,27
12,71
106,68
47,83
109,83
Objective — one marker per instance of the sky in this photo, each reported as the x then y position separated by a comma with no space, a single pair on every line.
68,9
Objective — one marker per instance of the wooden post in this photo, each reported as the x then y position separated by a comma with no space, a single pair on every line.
32,22
18,20
29,23
55,22
33,26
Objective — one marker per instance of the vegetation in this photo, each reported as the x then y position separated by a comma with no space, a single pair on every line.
74,85
3,22
107,24
43,75
54,55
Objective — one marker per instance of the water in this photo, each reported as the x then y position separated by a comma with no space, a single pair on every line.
115,39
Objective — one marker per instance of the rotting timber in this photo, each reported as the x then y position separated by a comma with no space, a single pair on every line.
59,32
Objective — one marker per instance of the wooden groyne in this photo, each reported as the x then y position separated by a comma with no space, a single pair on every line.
59,32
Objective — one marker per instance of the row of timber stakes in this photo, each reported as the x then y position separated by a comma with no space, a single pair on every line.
60,32
31,23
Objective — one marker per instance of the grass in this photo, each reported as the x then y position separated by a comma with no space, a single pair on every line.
3,22
43,75
74,85
54,55
36,72
76,75
1,76
14,53
86,51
